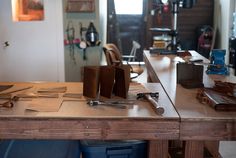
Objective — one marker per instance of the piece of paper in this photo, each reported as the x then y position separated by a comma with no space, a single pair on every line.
53,90
5,87
16,89
38,95
73,95
44,104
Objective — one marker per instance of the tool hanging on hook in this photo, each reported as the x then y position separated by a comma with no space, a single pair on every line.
83,44
89,38
92,35
71,37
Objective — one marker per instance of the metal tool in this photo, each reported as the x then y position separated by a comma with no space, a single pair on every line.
7,100
116,104
152,98
7,104
174,46
217,64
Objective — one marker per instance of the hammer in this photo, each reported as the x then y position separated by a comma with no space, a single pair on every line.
150,97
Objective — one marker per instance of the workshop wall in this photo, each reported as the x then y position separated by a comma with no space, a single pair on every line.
35,49
190,20
223,24
74,56
103,26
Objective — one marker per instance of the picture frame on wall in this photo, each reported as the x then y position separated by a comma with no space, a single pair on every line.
28,10
80,6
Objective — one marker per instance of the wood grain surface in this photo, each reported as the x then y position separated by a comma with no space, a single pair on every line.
77,120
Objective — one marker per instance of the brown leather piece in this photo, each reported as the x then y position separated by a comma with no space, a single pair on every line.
91,81
122,81
106,80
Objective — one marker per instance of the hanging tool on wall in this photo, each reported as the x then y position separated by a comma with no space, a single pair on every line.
83,44
70,31
92,36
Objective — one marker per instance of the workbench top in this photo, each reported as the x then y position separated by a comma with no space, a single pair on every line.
77,120
78,108
163,70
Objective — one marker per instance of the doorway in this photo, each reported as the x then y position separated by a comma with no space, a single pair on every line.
126,23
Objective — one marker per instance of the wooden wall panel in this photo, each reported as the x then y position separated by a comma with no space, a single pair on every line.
190,19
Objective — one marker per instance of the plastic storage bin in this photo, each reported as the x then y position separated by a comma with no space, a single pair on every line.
39,149
113,149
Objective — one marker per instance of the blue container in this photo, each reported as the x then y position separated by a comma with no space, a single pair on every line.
113,149
39,149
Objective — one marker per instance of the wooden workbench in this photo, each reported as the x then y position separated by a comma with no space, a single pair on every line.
76,120
198,122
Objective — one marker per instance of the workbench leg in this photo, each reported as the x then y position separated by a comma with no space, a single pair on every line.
194,149
213,148
158,149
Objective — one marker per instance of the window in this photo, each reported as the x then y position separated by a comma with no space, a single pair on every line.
129,6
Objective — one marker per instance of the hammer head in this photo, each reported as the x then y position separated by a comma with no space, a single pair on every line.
142,95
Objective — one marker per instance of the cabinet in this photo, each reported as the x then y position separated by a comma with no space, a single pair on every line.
80,6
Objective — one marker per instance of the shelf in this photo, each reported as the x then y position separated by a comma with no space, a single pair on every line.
160,29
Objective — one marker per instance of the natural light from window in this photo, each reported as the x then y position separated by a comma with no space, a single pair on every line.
129,6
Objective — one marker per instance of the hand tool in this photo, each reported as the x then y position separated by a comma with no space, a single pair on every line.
217,63
152,98
116,104
7,104
7,101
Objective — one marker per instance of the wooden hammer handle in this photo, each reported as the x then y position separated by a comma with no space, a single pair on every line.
158,109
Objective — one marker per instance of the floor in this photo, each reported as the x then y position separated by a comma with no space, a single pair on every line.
143,77
227,148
